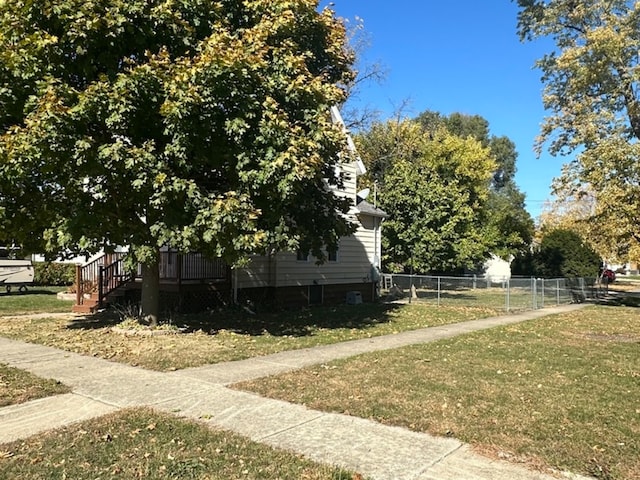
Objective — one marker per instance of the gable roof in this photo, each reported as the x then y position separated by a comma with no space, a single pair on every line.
336,117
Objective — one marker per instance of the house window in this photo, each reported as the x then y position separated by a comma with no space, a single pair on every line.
302,256
332,255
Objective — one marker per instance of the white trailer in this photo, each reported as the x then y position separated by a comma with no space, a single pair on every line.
15,273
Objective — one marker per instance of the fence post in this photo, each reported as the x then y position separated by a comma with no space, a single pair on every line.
557,292
411,285
542,293
438,291
533,293
507,296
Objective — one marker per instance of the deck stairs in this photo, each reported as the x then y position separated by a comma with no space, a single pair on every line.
99,281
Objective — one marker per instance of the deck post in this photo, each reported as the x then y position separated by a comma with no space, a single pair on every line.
179,264
79,292
100,285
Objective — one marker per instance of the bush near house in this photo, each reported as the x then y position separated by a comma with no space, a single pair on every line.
54,274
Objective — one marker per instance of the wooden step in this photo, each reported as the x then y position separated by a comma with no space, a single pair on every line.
91,303
87,307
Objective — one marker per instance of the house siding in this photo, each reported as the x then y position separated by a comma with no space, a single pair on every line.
289,281
258,273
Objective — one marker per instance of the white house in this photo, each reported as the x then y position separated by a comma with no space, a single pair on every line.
285,278
294,278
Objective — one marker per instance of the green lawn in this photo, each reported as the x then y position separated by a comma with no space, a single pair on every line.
143,444
35,300
559,392
521,294
232,334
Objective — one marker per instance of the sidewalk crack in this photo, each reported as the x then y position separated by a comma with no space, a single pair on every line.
439,460
320,415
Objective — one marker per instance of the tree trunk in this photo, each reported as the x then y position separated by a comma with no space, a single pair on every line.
150,301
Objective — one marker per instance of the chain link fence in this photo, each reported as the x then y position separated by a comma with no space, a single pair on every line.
509,294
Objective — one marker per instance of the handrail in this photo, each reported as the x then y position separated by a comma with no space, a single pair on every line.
88,275
87,278
111,277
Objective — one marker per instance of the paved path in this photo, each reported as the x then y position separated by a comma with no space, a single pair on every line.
374,450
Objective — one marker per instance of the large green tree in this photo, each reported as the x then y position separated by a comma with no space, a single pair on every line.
434,186
592,95
508,222
198,124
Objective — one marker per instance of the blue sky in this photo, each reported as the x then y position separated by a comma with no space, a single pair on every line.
460,56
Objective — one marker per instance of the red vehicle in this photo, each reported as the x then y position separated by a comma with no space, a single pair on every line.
608,276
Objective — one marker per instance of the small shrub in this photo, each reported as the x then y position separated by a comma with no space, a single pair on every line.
54,274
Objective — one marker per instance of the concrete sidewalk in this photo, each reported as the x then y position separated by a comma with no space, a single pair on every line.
374,450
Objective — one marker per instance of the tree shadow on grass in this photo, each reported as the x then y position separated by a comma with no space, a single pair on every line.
295,323
30,291
457,295
619,299
103,319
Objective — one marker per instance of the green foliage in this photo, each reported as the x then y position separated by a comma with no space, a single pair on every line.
434,188
54,274
591,93
508,222
442,218
203,125
477,127
522,264
564,253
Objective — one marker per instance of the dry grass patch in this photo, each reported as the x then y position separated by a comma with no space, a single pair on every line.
145,444
18,386
560,392
230,335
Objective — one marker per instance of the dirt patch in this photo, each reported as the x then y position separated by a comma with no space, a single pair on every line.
612,337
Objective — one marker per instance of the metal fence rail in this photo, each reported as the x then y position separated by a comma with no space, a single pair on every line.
510,294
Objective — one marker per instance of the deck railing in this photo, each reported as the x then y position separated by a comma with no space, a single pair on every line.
106,273
112,276
178,267
89,276
193,266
